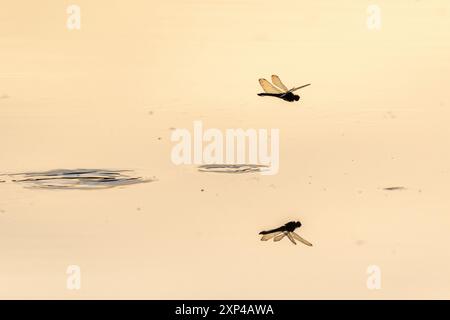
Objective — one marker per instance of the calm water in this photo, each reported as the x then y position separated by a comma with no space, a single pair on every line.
109,96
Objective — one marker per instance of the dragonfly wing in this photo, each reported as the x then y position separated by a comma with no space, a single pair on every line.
276,81
268,87
270,236
291,238
294,89
280,236
297,237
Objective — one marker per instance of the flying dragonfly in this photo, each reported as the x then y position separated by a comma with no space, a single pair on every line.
283,231
279,90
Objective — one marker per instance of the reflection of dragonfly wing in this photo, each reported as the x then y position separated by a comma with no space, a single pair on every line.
297,237
268,87
291,238
270,235
294,89
280,236
276,81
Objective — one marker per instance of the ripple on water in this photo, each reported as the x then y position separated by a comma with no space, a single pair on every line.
232,168
84,179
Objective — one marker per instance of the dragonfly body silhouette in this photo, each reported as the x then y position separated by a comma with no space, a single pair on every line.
283,231
279,90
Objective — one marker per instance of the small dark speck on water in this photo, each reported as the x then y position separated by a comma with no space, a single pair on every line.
394,188
150,113
202,190
159,138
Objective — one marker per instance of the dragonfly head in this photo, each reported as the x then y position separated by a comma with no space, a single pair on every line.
298,224
296,97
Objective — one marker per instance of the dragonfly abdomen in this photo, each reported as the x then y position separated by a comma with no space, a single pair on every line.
270,94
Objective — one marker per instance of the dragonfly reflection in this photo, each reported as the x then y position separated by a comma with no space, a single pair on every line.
283,231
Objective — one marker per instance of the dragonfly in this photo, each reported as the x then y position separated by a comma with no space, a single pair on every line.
283,231
279,90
